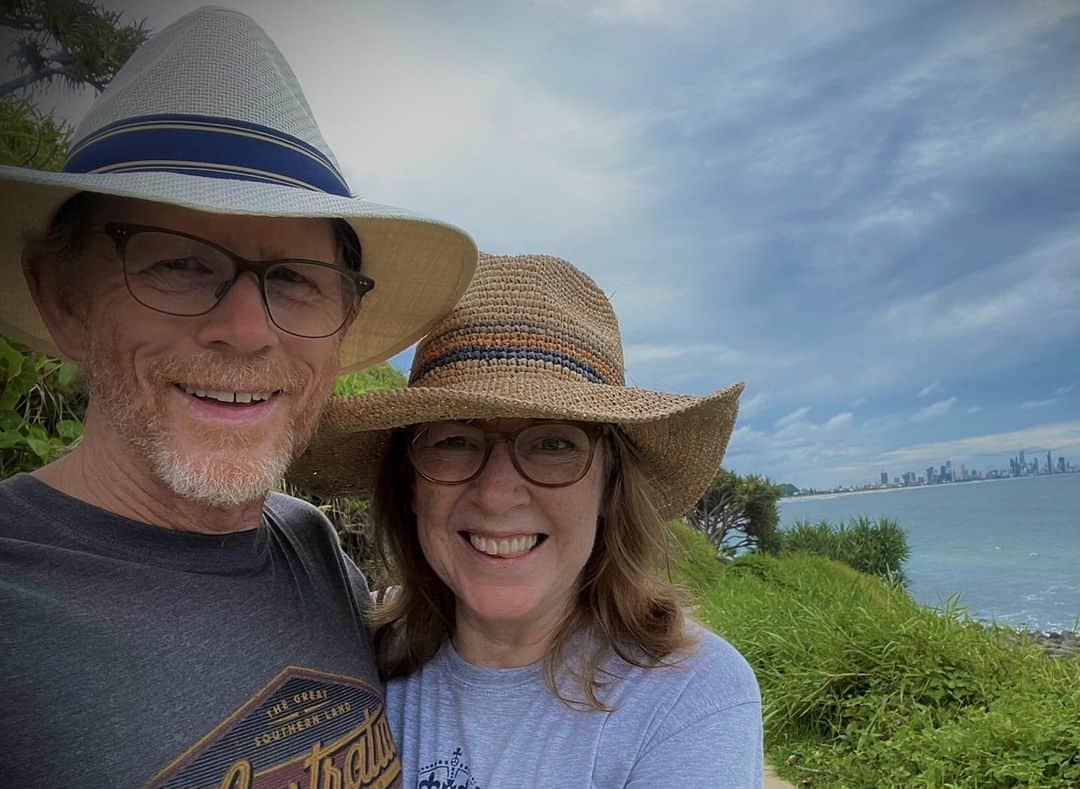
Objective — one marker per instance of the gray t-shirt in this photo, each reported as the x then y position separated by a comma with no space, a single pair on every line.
696,724
132,654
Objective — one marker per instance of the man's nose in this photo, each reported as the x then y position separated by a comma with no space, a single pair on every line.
240,320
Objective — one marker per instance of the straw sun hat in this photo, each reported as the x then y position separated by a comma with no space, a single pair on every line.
532,337
208,115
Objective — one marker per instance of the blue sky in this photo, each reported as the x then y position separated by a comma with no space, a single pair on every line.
868,212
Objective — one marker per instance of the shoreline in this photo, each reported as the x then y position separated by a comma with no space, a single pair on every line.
1056,643
825,494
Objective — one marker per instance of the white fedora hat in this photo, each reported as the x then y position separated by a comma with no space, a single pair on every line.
208,115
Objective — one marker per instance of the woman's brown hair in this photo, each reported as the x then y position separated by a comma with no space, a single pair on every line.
622,606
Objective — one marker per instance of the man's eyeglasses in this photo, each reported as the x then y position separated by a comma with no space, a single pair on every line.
180,274
549,454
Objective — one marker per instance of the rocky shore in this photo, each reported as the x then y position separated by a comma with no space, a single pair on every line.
1059,643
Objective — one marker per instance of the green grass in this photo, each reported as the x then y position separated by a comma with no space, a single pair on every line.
861,686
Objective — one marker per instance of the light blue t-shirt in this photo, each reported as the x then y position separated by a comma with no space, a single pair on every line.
695,724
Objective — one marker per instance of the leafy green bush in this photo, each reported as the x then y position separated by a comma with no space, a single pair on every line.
381,376
41,406
876,547
862,686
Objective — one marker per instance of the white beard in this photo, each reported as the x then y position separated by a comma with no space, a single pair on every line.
223,480
228,472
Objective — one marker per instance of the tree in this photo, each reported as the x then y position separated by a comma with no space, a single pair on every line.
73,41
738,513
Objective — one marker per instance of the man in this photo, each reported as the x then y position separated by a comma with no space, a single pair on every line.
165,622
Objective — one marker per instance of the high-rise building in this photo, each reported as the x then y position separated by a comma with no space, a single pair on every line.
1023,465
1049,463
1061,464
929,475
884,477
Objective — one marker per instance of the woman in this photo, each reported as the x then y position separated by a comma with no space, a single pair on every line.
519,491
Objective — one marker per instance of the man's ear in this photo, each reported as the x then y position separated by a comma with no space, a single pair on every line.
65,323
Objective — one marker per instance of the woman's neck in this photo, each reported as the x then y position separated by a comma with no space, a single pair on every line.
502,644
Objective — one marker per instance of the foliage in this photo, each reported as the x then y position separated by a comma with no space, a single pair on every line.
861,686
73,41
738,513
381,376
41,406
30,139
876,547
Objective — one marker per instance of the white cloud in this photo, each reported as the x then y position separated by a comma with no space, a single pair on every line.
1029,404
934,410
842,419
790,419
1057,436
832,452
752,405
1062,390
930,389
988,306
703,353
974,409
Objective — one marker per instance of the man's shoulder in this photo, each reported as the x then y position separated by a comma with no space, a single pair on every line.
24,502
291,513
302,522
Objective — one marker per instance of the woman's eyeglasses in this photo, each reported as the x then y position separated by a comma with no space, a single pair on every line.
549,454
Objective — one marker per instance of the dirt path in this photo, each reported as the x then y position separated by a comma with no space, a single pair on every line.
774,782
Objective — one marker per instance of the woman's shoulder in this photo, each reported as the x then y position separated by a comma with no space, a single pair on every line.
716,667
710,672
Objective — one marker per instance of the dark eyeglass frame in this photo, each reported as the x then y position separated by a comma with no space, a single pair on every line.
594,430
121,233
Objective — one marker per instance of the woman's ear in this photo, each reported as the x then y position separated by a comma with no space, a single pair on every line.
62,315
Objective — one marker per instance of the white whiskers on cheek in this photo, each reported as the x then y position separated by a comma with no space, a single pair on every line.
215,465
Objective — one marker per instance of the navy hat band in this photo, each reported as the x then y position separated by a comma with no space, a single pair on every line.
206,146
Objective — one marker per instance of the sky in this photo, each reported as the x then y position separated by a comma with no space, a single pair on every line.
867,212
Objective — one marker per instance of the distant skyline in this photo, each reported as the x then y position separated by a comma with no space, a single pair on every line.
945,472
866,211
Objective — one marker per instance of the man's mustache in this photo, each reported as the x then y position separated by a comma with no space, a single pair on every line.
230,373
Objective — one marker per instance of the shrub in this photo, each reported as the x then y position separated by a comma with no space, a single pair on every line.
41,406
876,547
381,376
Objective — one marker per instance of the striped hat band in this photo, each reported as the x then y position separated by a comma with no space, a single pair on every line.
549,319
207,146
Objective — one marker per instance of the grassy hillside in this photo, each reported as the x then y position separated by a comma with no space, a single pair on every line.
863,687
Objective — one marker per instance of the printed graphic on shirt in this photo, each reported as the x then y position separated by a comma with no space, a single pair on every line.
449,773
304,729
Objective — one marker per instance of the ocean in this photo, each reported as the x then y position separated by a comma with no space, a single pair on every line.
1010,547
